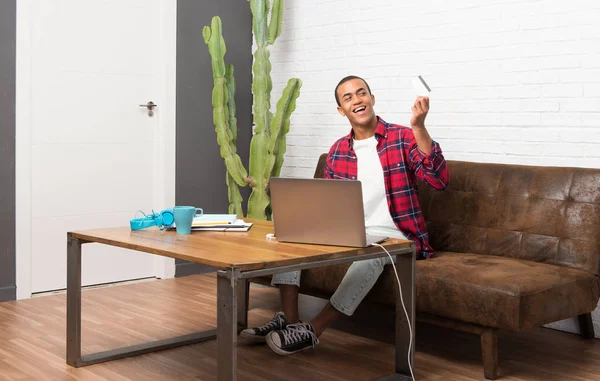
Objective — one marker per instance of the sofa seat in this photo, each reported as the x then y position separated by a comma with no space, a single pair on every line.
491,291
502,292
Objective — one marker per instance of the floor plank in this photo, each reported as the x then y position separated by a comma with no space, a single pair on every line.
32,333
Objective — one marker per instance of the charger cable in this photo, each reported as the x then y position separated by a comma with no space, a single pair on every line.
403,307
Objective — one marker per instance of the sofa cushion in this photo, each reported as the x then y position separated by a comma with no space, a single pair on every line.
503,292
492,291
542,214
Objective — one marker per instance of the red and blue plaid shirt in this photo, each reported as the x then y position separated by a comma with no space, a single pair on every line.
403,163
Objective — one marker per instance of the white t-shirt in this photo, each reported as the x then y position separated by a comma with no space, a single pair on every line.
378,220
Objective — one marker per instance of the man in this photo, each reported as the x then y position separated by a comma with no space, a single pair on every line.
387,159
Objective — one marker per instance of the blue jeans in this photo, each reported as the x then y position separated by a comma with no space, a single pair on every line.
358,281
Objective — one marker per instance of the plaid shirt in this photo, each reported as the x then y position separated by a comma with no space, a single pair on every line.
403,163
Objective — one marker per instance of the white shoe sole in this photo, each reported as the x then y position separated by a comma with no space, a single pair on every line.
275,348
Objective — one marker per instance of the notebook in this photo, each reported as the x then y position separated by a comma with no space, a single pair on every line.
319,211
214,219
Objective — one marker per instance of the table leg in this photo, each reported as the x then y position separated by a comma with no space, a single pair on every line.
73,300
243,298
227,298
74,357
406,273
405,266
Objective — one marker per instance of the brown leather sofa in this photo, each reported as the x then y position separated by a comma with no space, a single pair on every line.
516,247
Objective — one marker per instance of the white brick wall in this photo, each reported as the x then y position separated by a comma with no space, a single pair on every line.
514,81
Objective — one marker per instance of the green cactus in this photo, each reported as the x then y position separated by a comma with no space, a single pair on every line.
268,144
234,195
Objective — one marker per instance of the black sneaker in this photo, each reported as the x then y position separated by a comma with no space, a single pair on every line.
257,334
293,338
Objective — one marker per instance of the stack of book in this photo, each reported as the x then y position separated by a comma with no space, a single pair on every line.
219,222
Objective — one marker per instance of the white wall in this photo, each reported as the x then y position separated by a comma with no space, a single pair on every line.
514,81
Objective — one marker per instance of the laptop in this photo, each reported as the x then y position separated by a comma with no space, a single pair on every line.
319,211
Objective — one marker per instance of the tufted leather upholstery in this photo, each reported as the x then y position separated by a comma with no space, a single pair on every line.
500,292
516,247
543,214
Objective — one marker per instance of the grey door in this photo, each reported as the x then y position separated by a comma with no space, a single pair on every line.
8,15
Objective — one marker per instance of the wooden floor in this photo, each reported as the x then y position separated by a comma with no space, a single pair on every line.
32,341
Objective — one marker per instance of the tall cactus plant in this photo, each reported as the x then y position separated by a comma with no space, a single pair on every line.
268,144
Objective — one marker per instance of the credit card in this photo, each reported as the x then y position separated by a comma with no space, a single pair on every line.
421,87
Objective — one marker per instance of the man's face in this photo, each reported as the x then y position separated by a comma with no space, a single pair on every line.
355,102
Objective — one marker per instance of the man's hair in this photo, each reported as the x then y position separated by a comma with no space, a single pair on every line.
346,79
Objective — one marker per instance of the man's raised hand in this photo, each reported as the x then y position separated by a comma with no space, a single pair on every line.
419,112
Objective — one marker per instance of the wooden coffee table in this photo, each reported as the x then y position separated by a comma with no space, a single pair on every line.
237,256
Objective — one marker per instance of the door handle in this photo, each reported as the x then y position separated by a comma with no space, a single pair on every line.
150,106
